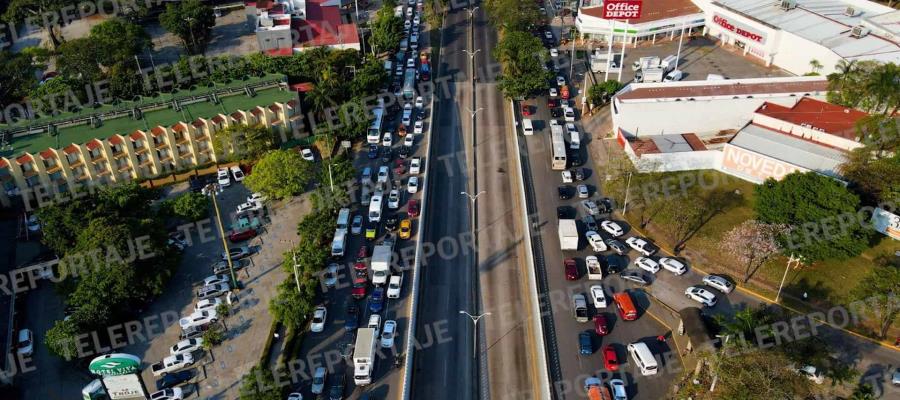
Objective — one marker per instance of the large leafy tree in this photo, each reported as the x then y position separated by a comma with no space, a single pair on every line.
752,243
33,11
868,85
78,60
879,291
250,141
513,14
17,72
259,384
523,57
280,174
387,29
119,41
192,21
741,377
191,206
812,205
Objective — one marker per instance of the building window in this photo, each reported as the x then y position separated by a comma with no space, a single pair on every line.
50,163
95,153
32,181
117,148
101,167
72,158
138,144
27,167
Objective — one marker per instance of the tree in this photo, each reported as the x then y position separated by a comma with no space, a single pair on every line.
61,339
874,180
758,374
879,291
118,41
880,134
191,206
78,60
752,243
685,218
883,87
214,336
317,227
290,307
259,384
54,96
600,93
18,11
740,327
863,391
368,79
387,29
251,141
815,66
192,21
811,205
17,72
280,174
513,15
523,58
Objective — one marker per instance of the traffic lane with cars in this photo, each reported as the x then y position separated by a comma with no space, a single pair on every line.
575,367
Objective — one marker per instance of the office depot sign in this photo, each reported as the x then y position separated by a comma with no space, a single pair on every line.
738,28
621,9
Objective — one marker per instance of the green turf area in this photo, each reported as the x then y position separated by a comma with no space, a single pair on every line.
165,117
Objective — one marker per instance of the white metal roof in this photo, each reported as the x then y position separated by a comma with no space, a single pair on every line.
824,22
789,149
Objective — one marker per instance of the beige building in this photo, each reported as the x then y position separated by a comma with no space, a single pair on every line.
163,141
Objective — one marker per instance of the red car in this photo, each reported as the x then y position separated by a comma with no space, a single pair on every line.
412,208
360,268
600,325
362,254
242,236
359,287
571,269
610,360
526,110
552,103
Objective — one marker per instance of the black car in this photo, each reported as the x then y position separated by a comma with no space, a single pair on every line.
565,192
391,223
578,173
352,321
590,223
634,276
606,205
386,155
373,151
556,112
616,246
404,151
173,379
336,392
565,212
576,159
197,184
615,263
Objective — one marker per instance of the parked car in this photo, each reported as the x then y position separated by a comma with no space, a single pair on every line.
612,228
719,283
647,264
376,300
388,331
307,154
318,320
590,207
415,165
168,394
565,192
186,346
641,245
590,223
673,265
215,279
236,253
356,225
571,269
583,192
318,383
598,296
610,359
634,276
211,291
595,241
25,344
208,304
585,343
616,246
173,379
617,387
221,266
205,317
223,178
240,236
601,327
412,208
701,295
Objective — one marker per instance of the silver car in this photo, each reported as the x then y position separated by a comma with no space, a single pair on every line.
318,385
719,283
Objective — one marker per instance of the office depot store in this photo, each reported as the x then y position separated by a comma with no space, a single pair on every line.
791,33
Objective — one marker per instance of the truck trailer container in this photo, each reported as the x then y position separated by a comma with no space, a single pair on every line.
568,234
364,356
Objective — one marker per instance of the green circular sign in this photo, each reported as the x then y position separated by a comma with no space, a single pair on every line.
115,364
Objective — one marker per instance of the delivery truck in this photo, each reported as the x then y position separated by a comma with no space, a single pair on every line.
364,356
568,234
653,74
668,63
381,263
645,62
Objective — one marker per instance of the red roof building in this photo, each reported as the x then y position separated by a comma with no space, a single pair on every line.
287,26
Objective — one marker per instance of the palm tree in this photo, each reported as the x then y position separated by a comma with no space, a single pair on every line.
863,392
815,65
883,85
845,74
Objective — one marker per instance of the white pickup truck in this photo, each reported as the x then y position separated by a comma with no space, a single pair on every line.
172,363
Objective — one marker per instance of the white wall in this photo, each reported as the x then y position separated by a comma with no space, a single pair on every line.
683,161
806,133
794,54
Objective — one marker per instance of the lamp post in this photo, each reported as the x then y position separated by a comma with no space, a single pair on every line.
627,188
472,12
475,319
211,189
294,261
471,55
472,199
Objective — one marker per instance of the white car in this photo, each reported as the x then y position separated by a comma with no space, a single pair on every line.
198,318
383,174
554,52
186,346
583,192
612,228
410,62
374,323
407,118
553,92
567,177
307,155
175,393
215,279
420,102
208,304
25,345
295,396
719,283
598,296
399,70
647,264
596,241
673,265
318,384
223,178
415,165
394,199
560,81
701,296
387,140
617,387
236,173
318,320
640,245
249,206
416,20
329,277
412,185
418,127
388,332
408,140
356,225
256,198
393,289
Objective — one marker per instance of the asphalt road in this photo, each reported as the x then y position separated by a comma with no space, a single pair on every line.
447,369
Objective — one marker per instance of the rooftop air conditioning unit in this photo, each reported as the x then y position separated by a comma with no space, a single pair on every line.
850,11
788,4
859,31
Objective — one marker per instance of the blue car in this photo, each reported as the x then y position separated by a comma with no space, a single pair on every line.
352,321
585,344
376,300
373,151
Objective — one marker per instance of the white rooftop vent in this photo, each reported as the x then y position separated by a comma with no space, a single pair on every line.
850,11
788,4
859,31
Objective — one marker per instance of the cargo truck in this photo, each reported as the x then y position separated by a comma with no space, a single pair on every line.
653,74
568,234
595,389
668,63
381,263
364,356
645,62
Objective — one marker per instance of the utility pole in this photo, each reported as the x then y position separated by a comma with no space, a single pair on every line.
475,319
680,38
796,263
212,189
627,189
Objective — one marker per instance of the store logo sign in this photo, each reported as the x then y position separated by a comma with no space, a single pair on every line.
621,9
738,28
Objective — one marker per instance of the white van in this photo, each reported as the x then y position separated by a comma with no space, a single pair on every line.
644,359
337,245
375,207
673,76
668,63
569,114
574,140
343,218
527,126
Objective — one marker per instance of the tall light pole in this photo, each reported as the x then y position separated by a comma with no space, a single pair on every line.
475,319
472,113
472,12
294,260
472,199
627,189
791,261
471,55
212,189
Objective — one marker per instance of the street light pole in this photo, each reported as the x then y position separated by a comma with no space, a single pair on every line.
211,189
475,319
627,188
472,199
791,260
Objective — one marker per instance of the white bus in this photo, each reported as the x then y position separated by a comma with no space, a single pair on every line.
374,134
375,207
558,148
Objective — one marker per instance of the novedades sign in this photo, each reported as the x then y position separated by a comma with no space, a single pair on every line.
753,166
738,28
621,9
